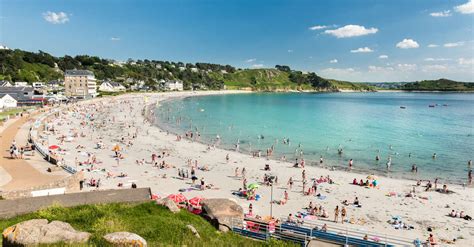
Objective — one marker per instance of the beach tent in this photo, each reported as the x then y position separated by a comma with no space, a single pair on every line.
196,201
53,147
178,198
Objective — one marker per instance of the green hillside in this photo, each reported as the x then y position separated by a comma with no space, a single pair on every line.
438,85
156,224
18,65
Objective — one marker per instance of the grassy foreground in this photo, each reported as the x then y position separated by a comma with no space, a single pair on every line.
154,223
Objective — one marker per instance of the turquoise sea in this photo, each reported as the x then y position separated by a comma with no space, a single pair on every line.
364,125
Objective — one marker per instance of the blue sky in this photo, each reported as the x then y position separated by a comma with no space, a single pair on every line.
352,40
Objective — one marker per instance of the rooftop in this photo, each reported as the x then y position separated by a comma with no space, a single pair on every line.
75,72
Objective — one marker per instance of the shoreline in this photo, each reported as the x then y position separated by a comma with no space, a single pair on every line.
126,110
172,129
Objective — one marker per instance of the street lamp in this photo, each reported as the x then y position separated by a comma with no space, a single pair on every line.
271,200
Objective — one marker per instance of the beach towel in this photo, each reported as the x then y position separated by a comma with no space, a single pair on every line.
322,197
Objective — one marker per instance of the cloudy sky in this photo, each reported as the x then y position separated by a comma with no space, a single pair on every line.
370,40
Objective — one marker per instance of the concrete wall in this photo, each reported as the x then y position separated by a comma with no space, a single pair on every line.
70,183
10,208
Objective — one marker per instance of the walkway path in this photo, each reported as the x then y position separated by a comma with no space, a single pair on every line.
23,175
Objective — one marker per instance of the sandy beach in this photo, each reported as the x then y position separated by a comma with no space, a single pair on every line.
120,120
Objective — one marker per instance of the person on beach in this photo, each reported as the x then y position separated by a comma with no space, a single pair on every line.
432,240
414,169
236,172
321,160
343,214
469,163
377,157
336,214
290,183
436,184
469,176
250,209
350,164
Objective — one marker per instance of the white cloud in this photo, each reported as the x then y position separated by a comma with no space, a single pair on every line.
407,44
383,56
433,68
445,13
466,61
351,31
450,45
251,60
362,50
290,51
406,67
56,18
467,8
318,27
432,45
257,66
115,39
430,59
333,61
380,69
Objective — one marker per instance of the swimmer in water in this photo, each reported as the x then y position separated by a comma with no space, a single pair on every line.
434,155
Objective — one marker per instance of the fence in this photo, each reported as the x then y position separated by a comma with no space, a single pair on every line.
304,232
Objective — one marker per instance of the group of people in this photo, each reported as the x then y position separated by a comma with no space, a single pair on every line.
15,152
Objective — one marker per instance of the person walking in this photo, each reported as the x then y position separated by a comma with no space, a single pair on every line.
336,214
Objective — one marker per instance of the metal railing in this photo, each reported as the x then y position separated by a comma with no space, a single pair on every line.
349,232
303,232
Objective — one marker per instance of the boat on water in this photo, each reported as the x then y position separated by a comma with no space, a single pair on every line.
431,105
403,107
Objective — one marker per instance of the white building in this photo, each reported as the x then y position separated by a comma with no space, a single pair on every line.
21,84
174,85
111,86
7,101
5,84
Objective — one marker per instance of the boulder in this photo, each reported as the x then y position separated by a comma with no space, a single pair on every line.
125,239
223,213
170,204
39,231
194,231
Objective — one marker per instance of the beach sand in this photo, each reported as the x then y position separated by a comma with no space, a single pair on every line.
121,116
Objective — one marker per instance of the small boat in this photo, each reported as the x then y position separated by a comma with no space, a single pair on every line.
431,105
445,104
403,107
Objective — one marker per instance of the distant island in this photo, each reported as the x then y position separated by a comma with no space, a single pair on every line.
25,66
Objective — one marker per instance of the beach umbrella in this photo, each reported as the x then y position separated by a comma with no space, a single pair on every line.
53,147
178,198
372,177
253,186
116,148
196,201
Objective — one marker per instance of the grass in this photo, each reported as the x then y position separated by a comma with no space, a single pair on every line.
12,111
154,223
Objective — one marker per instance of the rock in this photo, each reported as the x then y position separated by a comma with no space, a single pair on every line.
223,213
194,231
125,239
38,231
170,204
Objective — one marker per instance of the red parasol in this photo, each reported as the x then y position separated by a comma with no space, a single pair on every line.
178,198
53,147
196,201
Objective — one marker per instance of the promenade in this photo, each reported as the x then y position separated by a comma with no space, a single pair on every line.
22,174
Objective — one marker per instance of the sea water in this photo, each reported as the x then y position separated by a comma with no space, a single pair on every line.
363,125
